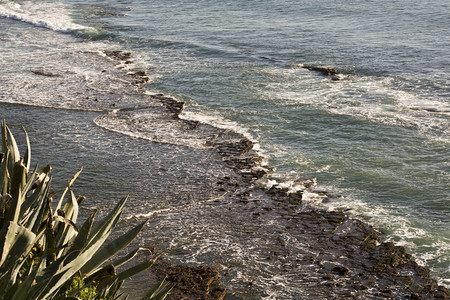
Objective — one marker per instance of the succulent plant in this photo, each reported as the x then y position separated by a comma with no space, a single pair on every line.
44,254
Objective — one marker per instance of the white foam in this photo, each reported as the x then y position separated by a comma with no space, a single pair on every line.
265,183
426,248
324,169
218,122
366,97
51,15
312,198
148,215
195,114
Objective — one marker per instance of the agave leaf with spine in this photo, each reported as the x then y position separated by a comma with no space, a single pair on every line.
79,241
15,240
35,218
158,292
69,184
4,173
27,156
18,181
9,143
111,249
128,273
65,222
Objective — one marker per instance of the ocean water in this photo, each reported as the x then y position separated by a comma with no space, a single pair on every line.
379,136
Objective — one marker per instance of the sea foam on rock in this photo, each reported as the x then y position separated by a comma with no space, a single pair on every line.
327,253
314,253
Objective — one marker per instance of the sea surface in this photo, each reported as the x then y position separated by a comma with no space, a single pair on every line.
379,136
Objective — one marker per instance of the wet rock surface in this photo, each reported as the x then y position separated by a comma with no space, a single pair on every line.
262,241
327,253
190,282
343,259
326,71
45,73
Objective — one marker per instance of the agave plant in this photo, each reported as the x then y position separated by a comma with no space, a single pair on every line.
43,253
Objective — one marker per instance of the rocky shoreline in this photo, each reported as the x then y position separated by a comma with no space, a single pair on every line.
349,261
334,255
345,259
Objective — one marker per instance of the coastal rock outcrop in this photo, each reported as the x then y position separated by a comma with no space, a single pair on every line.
190,282
326,71
328,254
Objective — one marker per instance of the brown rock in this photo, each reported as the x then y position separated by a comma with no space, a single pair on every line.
190,282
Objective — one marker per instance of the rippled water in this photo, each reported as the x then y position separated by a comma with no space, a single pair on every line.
379,136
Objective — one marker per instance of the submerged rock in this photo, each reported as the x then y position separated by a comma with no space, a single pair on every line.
45,73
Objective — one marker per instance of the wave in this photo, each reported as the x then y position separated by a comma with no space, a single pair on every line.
375,99
48,15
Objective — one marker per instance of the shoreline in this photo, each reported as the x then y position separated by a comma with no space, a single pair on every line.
350,262
336,256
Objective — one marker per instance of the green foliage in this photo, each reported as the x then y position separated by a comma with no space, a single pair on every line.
78,286
44,254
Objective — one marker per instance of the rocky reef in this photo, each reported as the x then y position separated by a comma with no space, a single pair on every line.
340,257
324,254
326,71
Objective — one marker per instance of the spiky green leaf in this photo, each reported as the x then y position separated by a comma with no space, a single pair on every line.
16,241
105,225
69,184
111,249
4,174
81,239
127,273
158,292
123,260
27,156
18,181
12,146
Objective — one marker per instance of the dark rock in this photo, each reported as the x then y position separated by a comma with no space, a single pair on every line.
140,73
120,55
326,71
190,282
140,77
45,73
341,270
193,124
328,276
173,106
